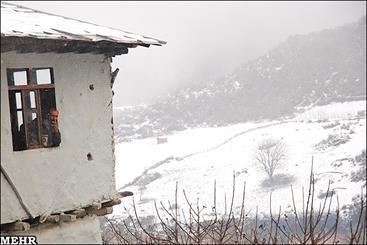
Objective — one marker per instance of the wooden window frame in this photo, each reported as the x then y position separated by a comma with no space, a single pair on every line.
23,89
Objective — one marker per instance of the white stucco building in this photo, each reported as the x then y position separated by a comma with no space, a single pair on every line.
52,62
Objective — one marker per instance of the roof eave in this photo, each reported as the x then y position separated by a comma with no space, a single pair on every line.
43,45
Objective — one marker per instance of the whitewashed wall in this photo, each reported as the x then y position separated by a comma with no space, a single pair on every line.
82,231
62,178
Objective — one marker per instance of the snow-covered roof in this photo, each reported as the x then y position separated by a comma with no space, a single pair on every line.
19,21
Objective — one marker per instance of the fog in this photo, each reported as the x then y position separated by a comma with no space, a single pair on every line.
204,39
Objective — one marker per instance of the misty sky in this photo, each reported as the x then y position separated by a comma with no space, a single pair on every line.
205,39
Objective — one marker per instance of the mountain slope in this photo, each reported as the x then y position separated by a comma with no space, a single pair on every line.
317,68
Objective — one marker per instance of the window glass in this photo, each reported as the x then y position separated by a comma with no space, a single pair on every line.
20,78
20,119
43,76
33,99
30,100
18,99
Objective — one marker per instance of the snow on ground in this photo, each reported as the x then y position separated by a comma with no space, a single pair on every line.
345,110
204,155
141,154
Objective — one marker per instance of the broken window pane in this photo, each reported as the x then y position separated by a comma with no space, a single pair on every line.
20,78
43,76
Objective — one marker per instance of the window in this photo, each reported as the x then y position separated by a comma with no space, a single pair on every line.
32,103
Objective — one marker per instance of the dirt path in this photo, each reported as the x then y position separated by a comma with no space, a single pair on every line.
179,158
233,137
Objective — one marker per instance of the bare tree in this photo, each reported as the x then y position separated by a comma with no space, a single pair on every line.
270,154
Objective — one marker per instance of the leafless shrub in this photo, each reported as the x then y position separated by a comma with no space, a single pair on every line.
331,125
332,140
270,154
360,173
171,225
358,232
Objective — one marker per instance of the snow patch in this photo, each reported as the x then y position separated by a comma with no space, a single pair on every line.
279,67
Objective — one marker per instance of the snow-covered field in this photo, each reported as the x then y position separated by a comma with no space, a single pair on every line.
195,158
333,111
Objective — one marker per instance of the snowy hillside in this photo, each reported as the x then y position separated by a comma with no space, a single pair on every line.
318,68
334,134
